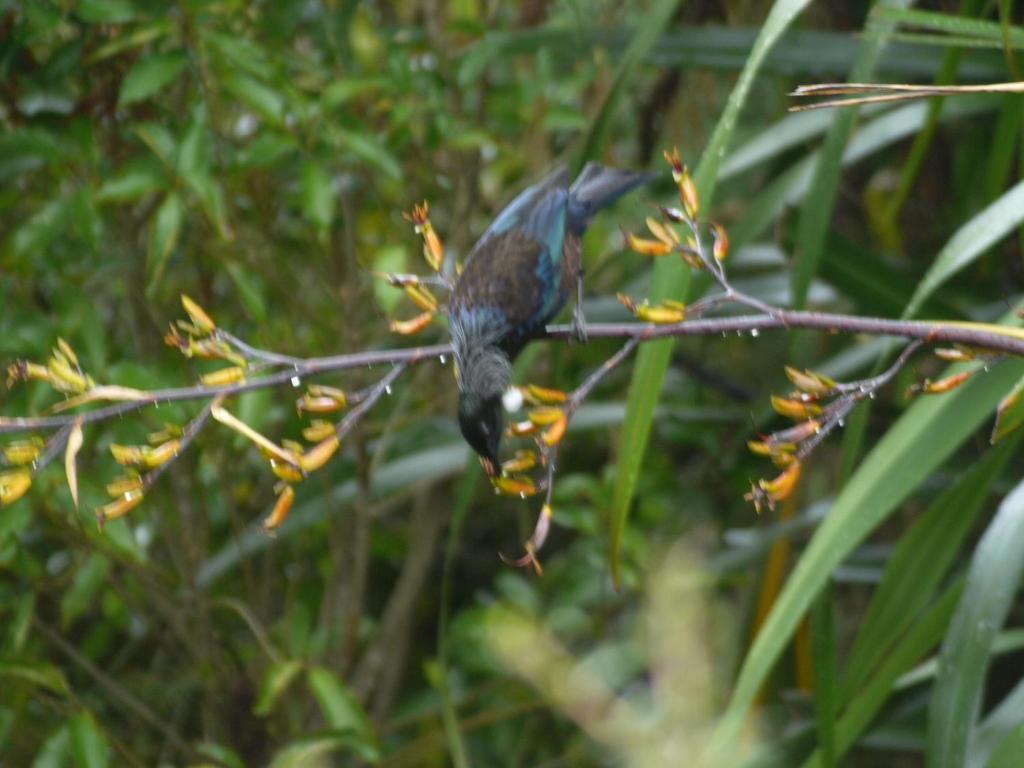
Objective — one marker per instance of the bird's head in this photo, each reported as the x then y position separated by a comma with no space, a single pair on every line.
484,374
482,422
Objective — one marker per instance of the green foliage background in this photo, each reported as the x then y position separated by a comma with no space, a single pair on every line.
258,156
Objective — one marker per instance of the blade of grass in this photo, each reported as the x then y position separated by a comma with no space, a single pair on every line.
971,241
826,703
919,563
919,639
671,279
992,580
922,438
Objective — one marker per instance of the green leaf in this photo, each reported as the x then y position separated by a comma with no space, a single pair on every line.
40,675
970,241
311,751
919,639
194,148
317,197
250,290
919,564
276,682
149,75
88,580
341,91
992,580
106,11
922,438
20,625
265,100
1009,752
88,744
27,150
1009,413
371,151
56,751
221,754
42,228
211,198
164,237
341,709
672,280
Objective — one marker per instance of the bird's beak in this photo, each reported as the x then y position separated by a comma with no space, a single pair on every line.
490,468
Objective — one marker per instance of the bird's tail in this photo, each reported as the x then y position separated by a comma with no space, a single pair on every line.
598,186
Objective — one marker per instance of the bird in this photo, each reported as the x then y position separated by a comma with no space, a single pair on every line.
516,278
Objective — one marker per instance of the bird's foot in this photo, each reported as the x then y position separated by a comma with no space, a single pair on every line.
579,326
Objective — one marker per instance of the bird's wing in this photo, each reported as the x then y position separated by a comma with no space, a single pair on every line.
539,211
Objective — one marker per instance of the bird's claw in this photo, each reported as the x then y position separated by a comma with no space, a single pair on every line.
579,326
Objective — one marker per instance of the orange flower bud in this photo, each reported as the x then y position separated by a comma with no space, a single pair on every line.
14,485
553,435
24,451
522,428
202,321
286,471
411,326
646,247
665,234
64,350
319,454
514,486
523,462
721,247
421,297
544,395
949,383
119,508
65,378
662,315
233,374
318,430
955,355
280,512
810,382
782,486
794,409
124,484
545,415
688,195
